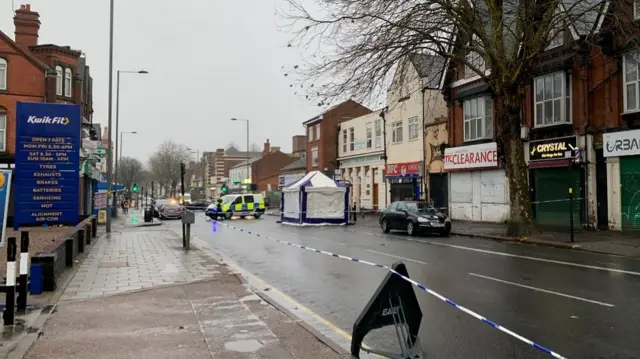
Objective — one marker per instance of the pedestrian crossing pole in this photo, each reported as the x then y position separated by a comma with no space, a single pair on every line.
10,311
24,271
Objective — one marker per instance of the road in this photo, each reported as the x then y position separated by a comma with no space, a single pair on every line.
577,304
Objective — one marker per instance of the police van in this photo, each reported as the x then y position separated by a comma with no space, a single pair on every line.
242,205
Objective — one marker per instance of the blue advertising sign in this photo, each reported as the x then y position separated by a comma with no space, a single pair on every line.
5,190
47,164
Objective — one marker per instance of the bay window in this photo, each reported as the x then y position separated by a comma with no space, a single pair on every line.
478,118
631,80
552,99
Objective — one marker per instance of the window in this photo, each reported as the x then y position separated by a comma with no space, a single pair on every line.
3,74
378,133
248,199
631,82
636,9
67,82
59,80
413,128
368,190
369,132
310,133
396,132
238,200
393,206
352,139
478,118
402,206
477,61
314,156
344,140
556,37
3,131
317,132
552,100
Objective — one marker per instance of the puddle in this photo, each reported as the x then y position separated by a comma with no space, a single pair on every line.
243,346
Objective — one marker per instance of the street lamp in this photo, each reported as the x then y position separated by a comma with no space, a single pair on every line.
139,72
248,165
110,149
122,141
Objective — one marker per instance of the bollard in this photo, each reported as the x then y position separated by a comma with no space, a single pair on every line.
188,236
24,271
10,310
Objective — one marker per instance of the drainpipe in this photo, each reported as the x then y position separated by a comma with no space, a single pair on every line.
424,150
586,61
384,153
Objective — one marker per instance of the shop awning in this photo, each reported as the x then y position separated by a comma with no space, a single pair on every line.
560,162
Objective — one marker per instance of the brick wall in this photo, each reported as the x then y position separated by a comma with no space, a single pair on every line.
265,171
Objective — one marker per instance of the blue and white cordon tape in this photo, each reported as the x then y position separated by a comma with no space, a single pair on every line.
420,286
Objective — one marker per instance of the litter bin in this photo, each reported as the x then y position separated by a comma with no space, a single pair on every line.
148,214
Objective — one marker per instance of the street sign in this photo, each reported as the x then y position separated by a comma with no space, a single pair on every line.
47,164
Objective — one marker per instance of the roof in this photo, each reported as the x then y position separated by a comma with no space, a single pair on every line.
300,163
233,152
319,117
585,15
67,50
23,52
314,179
429,67
248,162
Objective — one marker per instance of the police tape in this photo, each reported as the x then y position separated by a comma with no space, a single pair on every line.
413,282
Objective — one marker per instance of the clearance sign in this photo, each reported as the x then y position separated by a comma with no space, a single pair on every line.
484,155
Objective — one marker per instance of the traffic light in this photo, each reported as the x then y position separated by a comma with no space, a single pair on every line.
135,188
236,181
223,188
182,168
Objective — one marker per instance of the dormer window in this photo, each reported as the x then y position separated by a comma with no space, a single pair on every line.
556,38
58,80
477,61
67,82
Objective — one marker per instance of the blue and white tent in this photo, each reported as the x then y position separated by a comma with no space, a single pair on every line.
315,200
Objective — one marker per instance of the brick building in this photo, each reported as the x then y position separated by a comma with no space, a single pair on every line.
266,170
322,135
31,72
299,146
576,97
217,165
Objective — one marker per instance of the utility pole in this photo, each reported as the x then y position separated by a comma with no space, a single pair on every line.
110,110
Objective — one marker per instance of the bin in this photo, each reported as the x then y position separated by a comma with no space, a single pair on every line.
148,214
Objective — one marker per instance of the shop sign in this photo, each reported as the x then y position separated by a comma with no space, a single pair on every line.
625,143
484,155
553,148
403,169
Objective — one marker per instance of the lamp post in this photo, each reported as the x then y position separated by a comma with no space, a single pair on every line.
197,153
122,140
110,149
140,72
248,156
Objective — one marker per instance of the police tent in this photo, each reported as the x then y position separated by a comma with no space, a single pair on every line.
315,200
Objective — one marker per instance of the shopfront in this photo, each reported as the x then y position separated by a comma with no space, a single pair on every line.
622,152
556,177
404,180
365,174
478,186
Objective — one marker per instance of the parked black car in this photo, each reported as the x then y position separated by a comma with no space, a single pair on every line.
198,205
170,211
414,217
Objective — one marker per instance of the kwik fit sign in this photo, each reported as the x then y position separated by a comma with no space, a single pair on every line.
47,164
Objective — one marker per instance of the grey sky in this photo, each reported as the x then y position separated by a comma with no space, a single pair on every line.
208,61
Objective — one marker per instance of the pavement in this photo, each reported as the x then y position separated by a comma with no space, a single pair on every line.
579,304
139,294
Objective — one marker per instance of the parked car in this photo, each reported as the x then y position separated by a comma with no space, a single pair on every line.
247,204
414,217
198,205
170,211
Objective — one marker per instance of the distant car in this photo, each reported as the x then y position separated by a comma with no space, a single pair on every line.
170,211
414,217
198,205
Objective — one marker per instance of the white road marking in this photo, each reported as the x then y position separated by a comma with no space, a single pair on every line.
394,256
570,264
544,290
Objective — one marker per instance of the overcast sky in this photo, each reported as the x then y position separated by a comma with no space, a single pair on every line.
209,60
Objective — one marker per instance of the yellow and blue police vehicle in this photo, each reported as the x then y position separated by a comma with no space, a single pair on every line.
240,205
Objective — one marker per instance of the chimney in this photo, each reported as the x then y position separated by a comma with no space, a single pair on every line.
27,24
267,147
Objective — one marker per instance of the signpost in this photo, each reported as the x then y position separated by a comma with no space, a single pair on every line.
5,190
47,164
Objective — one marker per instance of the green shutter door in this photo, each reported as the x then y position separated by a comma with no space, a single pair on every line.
552,196
630,192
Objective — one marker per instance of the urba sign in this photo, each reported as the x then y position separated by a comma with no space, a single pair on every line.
47,164
552,148
624,143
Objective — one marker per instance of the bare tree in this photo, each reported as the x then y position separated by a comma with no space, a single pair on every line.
499,40
231,144
165,164
254,147
130,171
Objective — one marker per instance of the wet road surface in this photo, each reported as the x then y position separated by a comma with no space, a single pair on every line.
580,305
